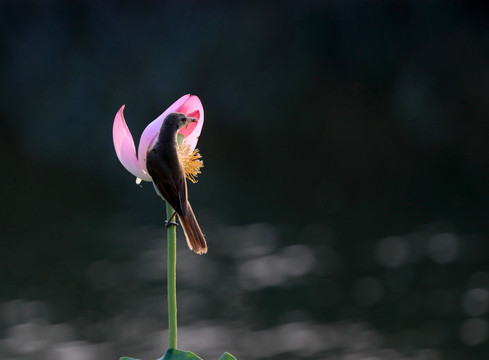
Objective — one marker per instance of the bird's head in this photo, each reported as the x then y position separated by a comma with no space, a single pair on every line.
176,121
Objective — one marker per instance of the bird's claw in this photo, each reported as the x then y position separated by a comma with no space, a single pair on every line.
170,223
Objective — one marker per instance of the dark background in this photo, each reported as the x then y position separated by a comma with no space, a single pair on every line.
344,195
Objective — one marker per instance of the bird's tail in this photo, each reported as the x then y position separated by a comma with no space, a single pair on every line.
191,228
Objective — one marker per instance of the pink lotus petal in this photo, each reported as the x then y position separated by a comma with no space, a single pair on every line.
192,107
152,130
124,146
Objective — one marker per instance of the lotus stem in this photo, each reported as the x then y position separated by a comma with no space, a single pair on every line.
172,280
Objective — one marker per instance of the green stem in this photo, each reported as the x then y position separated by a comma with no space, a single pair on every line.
172,279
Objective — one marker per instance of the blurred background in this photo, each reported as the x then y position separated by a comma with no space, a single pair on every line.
344,195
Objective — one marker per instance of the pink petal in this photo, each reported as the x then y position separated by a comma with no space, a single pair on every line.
152,130
192,107
124,146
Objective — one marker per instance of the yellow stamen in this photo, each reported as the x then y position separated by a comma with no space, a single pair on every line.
191,162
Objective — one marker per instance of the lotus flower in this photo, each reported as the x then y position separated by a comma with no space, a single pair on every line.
189,105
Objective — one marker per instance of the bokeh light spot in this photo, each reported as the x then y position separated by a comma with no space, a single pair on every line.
443,248
392,251
476,302
474,331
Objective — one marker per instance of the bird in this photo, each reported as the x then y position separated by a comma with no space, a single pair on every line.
166,170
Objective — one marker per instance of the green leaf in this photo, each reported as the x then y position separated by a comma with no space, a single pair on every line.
227,356
175,354
127,358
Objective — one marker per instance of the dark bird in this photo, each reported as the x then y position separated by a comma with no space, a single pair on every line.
166,170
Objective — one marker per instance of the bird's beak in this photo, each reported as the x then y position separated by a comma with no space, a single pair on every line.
190,120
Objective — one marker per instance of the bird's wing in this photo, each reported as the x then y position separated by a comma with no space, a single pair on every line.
182,193
170,181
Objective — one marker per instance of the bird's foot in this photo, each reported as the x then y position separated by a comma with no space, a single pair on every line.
170,223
